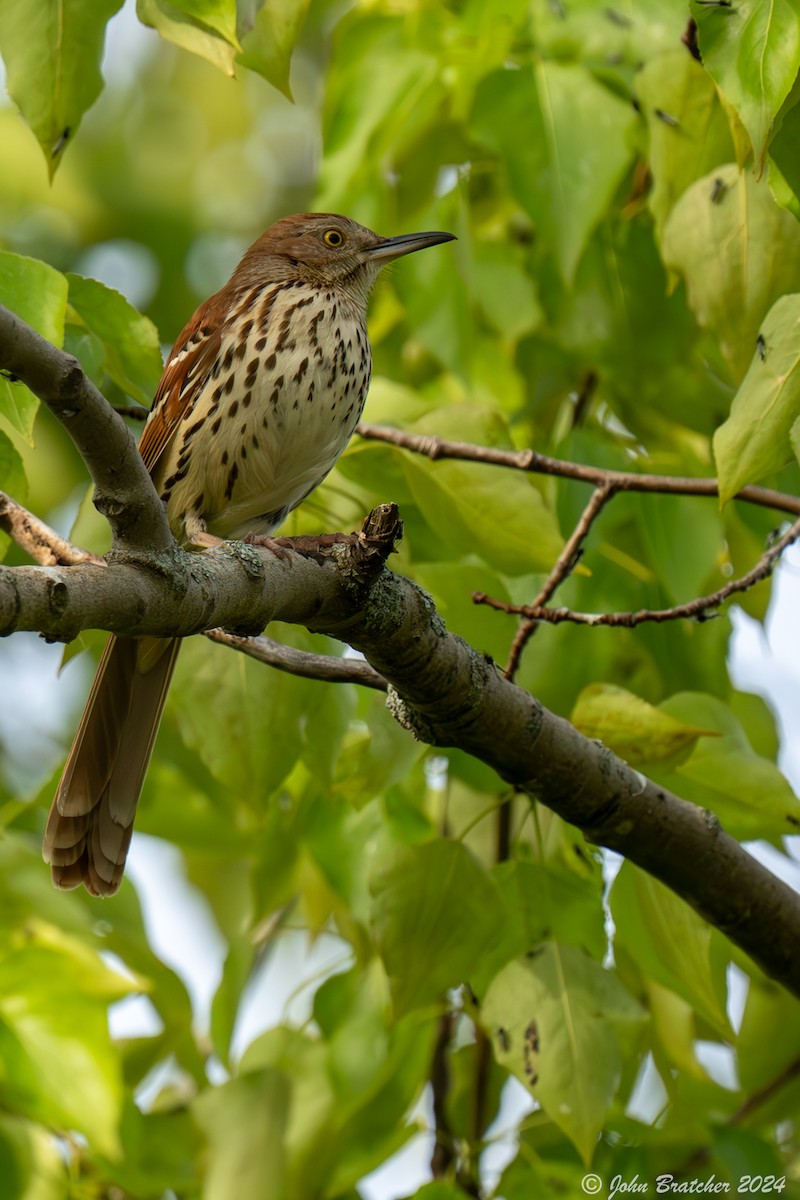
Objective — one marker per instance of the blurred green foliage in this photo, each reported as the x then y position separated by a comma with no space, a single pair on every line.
620,295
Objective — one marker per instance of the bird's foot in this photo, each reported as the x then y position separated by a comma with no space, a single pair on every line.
309,545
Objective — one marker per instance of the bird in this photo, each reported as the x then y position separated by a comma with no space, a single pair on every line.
259,396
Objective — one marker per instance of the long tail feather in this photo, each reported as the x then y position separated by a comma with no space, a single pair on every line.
89,829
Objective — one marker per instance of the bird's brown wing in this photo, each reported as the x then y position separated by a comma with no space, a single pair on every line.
193,355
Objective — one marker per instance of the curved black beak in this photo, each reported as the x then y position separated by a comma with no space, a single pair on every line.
406,243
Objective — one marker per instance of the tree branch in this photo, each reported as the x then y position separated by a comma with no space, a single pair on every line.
325,667
697,608
446,693
564,565
441,689
124,491
37,539
599,477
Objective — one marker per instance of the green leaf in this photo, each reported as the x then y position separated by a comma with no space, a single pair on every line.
738,251
368,110
686,124
784,149
219,15
59,1066
177,26
52,50
631,727
225,702
763,1058
505,291
32,1166
38,294
752,51
748,793
564,1025
489,511
130,340
269,32
436,912
576,149
670,943
554,902
245,1123
755,441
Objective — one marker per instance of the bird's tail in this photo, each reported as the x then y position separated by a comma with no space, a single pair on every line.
91,820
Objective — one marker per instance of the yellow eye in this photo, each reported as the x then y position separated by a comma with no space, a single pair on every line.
333,237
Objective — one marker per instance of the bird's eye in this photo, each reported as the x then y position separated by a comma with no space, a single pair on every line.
333,237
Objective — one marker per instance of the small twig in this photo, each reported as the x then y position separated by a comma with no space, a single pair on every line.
694,608
299,662
38,540
564,565
443,1149
136,412
543,464
698,1158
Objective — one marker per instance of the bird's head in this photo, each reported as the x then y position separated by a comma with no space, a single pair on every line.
328,250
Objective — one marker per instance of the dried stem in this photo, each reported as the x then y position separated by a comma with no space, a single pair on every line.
698,608
327,668
564,565
543,464
38,539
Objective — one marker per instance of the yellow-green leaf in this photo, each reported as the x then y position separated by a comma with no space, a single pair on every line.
632,728
755,441
52,50
563,1025
738,251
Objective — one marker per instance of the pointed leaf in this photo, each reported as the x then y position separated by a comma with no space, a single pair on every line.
631,727
752,51
747,792
38,294
563,1025
755,440
52,51
176,26
738,251
268,38
575,152
436,912
670,943
687,126
130,341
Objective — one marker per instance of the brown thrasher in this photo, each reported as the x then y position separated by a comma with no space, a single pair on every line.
259,397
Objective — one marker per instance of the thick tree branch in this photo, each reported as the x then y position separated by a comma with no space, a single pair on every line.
124,491
446,694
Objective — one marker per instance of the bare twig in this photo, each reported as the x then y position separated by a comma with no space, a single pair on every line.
134,412
37,539
694,608
324,667
543,464
563,567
